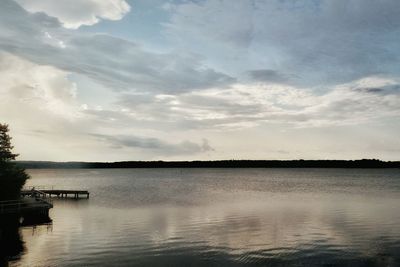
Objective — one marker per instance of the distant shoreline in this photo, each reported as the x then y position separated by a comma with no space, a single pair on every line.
364,163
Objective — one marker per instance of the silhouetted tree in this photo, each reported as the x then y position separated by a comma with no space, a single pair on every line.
12,177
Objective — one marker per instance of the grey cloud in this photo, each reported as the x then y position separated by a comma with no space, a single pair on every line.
123,65
155,144
322,42
371,90
117,63
268,75
384,90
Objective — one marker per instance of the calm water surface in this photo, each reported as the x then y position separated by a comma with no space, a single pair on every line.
219,217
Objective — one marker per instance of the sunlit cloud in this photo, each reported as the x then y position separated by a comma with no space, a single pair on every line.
75,13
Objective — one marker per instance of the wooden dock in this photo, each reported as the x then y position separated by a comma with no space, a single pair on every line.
25,207
76,194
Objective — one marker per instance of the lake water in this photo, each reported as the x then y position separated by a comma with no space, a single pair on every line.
219,217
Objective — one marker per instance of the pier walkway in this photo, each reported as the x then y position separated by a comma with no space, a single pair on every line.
50,192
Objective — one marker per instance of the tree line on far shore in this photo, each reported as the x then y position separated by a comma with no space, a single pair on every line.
363,163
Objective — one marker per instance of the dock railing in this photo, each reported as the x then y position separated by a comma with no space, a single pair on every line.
50,191
38,187
51,188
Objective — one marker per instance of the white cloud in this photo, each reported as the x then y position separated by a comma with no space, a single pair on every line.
75,13
251,105
25,85
41,104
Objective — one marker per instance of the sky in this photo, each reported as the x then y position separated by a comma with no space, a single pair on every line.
113,80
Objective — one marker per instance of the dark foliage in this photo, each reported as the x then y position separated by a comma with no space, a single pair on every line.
5,145
11,244
12,176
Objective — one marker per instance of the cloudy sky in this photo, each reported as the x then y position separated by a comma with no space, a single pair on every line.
109,80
